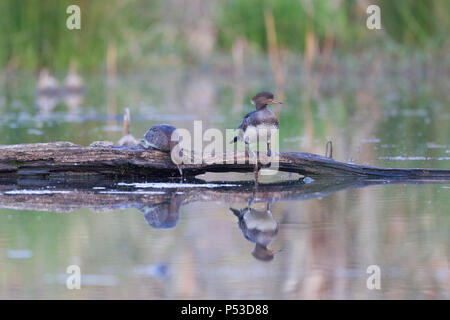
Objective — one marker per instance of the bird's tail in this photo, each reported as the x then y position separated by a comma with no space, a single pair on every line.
236,212
235,139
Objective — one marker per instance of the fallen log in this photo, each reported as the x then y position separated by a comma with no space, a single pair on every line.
66,158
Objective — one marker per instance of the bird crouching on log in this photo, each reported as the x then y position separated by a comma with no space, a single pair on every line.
159,137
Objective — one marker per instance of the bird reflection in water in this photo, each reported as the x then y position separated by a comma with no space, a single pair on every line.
73,90
259,227
49,92
163,215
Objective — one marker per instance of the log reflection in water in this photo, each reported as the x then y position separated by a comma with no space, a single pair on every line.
106,195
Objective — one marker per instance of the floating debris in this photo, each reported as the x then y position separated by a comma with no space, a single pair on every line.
168,185
413,158
371,140
35,132
157,270
308,180
25,191
19,254
432,145
131,192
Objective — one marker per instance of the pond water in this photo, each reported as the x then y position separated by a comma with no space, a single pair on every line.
297,240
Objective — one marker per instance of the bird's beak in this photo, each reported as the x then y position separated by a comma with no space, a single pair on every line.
274,252
276,101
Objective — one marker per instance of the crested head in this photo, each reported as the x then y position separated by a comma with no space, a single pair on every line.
262,99
262,253
262,96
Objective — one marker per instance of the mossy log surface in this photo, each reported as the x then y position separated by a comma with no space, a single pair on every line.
72,159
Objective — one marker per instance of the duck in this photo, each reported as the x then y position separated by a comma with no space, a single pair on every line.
47,91
73,83
257,120
259,227
159,137
73,89
47,84
127,140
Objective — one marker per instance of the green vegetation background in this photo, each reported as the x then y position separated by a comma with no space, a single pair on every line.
33,33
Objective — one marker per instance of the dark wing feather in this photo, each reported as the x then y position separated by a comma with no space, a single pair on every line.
243,126
246,121
258,117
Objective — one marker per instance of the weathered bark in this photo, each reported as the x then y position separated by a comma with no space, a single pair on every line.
67,158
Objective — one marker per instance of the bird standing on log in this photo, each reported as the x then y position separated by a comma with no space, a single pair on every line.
258,125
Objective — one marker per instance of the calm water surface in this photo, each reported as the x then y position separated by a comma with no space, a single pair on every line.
163,241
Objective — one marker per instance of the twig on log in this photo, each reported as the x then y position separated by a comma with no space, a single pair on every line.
329,150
